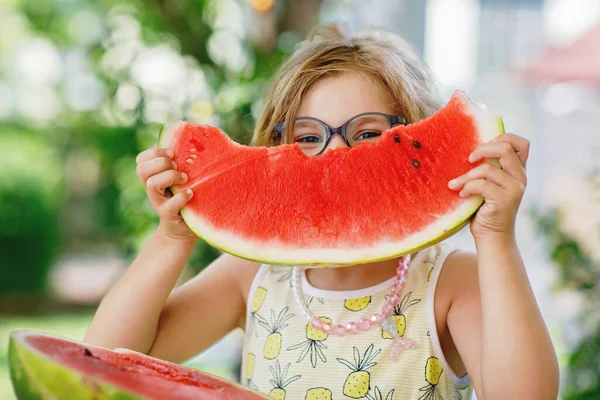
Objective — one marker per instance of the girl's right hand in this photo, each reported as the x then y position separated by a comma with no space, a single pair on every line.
157,172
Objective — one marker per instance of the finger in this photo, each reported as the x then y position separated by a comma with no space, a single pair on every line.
482,187
485,171
159,182
154,166
519,144
171,207
154,152
504,152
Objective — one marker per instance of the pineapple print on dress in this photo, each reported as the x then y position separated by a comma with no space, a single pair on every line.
274,327
357,304
313,344
376,395
318,393
399,316
431,261
308,299
257,302
250,364
279,381
458,395
282,274
433,372
358,383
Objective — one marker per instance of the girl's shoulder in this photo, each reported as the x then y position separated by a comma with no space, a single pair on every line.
457,273
241,272
432,260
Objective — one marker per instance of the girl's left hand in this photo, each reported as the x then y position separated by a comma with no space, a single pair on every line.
502,188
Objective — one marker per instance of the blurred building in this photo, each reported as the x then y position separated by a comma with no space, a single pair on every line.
511,34
404,17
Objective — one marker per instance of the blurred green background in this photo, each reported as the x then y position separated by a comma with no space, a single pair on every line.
85,85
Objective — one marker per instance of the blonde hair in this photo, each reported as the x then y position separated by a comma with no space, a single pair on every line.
328,51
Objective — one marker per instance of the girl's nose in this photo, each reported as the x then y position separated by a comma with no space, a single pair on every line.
335,142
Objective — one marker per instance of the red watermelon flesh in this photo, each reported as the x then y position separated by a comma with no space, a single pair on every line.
348,205
54,367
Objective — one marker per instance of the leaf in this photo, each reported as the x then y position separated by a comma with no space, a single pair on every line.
299,345
282,327
305,351
265,325
370,365
292,379
357,360
404,300
320,353
412,303
376,354
285,370
282,313
346,363
369,355
260,317
313,358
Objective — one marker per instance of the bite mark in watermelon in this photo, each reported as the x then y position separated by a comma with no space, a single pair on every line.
44,366
349,205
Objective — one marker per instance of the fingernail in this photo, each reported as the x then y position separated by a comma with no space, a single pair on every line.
169,153
184,176
471,157
452,184
175,166
189,192
461,193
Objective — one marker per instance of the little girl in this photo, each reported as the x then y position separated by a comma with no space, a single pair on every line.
466,320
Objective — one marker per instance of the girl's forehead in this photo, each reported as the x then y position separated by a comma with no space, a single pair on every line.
335,99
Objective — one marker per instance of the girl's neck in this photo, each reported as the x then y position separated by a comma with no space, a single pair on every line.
352,277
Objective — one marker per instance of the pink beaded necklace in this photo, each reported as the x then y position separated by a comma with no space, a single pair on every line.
384,319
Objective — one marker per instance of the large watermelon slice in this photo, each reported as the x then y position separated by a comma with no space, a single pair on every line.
350,205
43,366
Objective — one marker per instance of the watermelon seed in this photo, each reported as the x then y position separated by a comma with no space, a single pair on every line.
193,156
189,161
417,145
193,150
415,163
87,352
396,138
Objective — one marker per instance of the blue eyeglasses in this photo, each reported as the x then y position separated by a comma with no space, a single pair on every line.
313,135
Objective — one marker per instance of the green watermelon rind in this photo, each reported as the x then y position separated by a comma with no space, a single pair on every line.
35,377
489,125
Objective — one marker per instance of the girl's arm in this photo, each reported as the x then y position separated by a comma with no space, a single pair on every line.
128,314
493,317
141,313
204,309
496,325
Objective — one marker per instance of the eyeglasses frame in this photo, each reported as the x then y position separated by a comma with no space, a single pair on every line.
340,130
